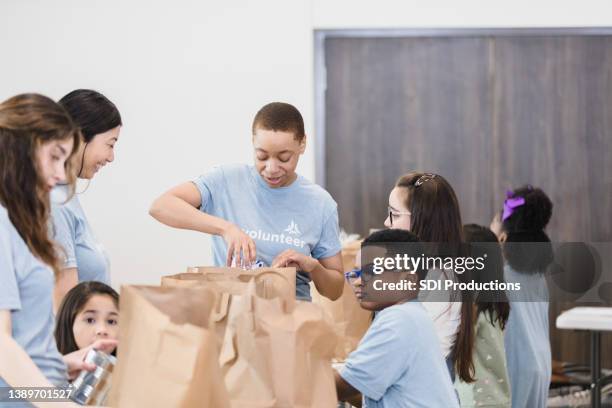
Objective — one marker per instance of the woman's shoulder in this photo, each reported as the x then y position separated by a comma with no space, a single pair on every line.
8,232
5,221
227,173
66,210
316,192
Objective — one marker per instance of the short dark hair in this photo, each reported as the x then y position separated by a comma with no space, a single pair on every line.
397,236
280,116
93,112
391,235
73,303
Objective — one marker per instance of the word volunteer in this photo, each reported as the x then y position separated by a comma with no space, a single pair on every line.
280,238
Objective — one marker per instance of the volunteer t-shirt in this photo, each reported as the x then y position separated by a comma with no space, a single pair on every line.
26,290
301,216
398,363
72,231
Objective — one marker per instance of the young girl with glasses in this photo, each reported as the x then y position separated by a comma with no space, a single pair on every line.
426,205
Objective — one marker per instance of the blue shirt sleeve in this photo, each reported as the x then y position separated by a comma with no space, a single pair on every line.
9,291
382,357
207,184
65,233
329,243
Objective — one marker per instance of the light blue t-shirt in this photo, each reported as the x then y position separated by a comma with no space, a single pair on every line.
301,216
26,289
527,341
398,363
72,231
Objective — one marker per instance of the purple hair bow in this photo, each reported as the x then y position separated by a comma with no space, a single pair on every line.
510,204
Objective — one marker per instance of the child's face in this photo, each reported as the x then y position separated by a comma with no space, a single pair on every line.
389,277
98,319
357,286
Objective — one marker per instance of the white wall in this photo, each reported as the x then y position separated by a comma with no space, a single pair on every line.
188,77
336,14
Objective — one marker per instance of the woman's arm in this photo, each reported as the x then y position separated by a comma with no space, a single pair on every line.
16,367
326,273
179,208
67,280
328,278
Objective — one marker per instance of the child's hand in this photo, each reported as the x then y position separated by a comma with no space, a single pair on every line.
75,360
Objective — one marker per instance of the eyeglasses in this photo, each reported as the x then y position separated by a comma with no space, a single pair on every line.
352,275
396,214
424,178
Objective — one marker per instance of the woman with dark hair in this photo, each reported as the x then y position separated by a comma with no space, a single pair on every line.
89,312
527,251
83,257
38,141
426,205
491,387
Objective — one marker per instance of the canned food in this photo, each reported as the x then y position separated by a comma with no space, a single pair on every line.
91,387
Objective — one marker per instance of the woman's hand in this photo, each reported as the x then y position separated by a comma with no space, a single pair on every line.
75,361
290,258
240,247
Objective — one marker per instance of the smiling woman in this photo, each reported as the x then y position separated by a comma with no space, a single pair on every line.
265,214
38,141
83,258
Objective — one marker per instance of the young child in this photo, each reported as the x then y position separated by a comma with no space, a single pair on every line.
527,252
426,205
492,387
89,312
398,363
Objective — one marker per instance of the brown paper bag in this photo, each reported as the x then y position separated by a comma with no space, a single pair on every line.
230,284
216,273
168,355
280,354
350,321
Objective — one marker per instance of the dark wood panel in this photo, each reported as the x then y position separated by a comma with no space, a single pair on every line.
488,113
553,108
395,105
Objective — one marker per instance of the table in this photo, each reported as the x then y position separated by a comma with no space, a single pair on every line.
595,320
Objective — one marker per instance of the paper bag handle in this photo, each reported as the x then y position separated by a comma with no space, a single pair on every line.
287,297
221,308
